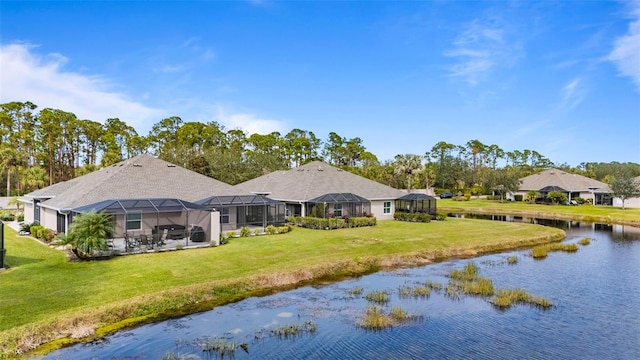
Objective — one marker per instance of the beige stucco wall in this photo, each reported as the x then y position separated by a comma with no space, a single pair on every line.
28,213
629,203
377,209
48,218
215,228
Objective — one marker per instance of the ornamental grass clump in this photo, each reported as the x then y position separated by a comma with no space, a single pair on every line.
512,260
584,242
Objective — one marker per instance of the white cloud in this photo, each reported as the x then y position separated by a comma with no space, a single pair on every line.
626,52
480,49
27,76
250,123
573,94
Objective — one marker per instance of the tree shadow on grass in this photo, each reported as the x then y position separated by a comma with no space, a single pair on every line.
15,261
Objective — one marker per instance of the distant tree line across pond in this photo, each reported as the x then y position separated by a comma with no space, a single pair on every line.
42,147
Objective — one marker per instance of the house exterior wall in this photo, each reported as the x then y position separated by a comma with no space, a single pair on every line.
28,213
215,228
377,209
48,218
629,203
585,195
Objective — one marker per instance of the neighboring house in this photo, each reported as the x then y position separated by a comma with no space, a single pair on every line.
340,192
574,185
633,202
143,193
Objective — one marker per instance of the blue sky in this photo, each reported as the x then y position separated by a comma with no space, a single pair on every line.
561,78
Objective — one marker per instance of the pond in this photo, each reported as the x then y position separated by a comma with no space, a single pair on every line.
595,294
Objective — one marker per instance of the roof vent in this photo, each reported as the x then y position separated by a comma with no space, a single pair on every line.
171,165
137,165
320,168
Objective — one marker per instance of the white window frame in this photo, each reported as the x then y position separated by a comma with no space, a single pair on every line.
135,217
337,210
386,207
224,215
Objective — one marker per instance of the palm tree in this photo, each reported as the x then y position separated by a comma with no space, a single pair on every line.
407,164
34,178
9,159
88,232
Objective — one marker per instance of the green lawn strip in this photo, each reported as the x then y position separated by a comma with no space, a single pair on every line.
601,214
42,291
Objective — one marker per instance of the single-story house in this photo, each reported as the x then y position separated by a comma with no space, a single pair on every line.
339,192
144,194
574,185
632,202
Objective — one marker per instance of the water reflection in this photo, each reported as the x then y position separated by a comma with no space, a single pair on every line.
596,313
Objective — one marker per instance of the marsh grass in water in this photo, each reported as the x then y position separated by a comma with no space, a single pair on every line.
376,319
512,260
379,297
293,330
468,282
219,346
541,251
355,291
435,286
584,241
418,291
506,297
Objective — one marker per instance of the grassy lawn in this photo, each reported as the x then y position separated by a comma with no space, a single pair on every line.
603,214
46,297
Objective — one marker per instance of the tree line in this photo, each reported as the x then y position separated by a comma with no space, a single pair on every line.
43,147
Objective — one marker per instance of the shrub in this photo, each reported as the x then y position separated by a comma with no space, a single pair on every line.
412,217
283,229
517,197
271,230
36,231
20,217
224,239
48,235
257,231
7,216
25,228
441,216
231,234
245,231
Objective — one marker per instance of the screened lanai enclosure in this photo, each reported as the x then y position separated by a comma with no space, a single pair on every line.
154,223
253,211
417,203
338,205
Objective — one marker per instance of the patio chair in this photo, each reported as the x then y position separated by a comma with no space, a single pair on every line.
144,241
163,238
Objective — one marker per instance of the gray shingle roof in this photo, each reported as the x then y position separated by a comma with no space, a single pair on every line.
315,179
562,179
142,176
